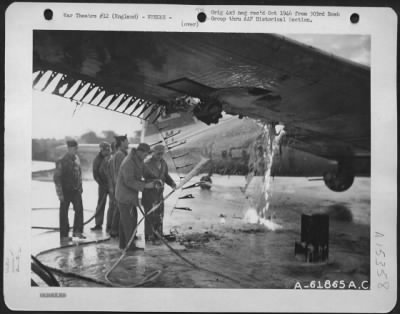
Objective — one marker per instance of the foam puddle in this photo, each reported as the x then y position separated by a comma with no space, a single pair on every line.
251,216
258,212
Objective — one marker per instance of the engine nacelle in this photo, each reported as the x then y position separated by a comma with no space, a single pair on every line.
340,180
208,111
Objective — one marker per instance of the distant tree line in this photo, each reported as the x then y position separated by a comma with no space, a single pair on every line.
43,148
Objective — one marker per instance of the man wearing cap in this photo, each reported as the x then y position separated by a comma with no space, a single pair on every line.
68,181
155,169
122,145
100,175
129,184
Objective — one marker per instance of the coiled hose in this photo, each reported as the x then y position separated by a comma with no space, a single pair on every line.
149,278
184,258
66,273
43,272
156,273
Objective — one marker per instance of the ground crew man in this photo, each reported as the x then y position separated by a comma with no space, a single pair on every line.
129,184
101,178
122,145
111,199
68,181
155,169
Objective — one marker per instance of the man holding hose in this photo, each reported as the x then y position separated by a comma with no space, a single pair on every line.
129,184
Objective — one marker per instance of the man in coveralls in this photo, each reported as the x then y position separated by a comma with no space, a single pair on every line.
101,178
155,169
68,181
129,184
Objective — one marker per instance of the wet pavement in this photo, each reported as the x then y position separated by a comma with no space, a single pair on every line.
223,247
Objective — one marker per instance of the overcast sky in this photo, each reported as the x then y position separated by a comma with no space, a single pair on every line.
55,117
353,47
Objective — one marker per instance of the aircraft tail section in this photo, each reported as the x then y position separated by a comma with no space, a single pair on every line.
167,125
167,122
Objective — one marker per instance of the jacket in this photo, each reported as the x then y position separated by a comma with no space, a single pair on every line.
109,173
116,163
152,172
98,170
129,180
68,175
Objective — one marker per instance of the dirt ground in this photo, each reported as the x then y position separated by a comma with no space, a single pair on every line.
224,248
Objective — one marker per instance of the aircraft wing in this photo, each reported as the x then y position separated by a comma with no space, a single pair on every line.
323,100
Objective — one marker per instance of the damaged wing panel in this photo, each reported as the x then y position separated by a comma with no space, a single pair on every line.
85,92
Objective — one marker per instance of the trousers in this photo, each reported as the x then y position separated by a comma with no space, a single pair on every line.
75,198
101,205
111,212
155,219
127,224
151,197
115,220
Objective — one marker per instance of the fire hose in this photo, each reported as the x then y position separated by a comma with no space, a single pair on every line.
42,269
99,205
154,275
184,258
66,273
157,273
43,272
148,278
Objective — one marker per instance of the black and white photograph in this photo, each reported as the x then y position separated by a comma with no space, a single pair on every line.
164,160
270,133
